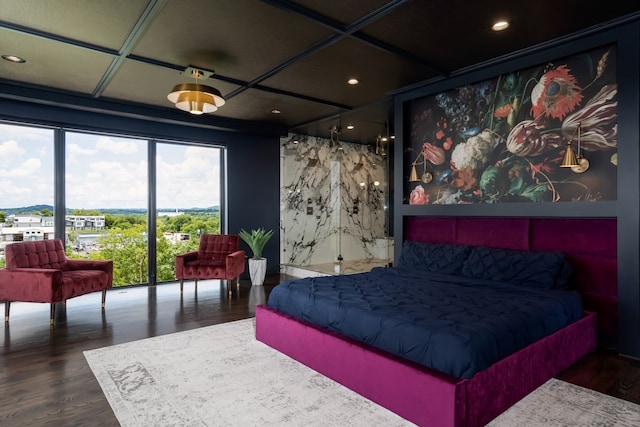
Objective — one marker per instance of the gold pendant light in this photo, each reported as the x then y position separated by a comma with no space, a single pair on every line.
194,97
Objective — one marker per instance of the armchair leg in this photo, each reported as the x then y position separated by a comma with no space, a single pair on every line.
104,297
181,285
52,313
7,304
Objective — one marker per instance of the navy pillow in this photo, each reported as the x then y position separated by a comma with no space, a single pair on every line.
533,269
433,257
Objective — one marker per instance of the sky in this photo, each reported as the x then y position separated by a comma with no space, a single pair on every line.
104,171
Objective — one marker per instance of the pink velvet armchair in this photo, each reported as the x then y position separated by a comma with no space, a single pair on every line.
39,271
218,257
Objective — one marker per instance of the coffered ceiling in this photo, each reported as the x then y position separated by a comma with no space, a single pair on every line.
291,56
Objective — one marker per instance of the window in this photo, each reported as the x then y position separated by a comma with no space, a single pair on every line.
188,200
106,189
26,184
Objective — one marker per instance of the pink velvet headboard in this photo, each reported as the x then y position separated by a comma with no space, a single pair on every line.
589,244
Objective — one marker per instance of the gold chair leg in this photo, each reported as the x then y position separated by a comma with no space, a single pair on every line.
52,313
7,304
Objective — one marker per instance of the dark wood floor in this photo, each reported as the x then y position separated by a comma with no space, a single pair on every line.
45,379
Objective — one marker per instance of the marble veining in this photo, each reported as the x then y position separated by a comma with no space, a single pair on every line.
333,202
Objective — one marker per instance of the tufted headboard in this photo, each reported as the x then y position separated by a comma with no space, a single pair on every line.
589,244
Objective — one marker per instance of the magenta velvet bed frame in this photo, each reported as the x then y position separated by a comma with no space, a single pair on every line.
429,398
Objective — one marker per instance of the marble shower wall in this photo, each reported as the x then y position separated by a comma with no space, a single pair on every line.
332,202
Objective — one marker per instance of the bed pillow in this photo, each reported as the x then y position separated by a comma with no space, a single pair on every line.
433,257
542,270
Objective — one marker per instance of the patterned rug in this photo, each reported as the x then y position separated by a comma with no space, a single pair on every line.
221,376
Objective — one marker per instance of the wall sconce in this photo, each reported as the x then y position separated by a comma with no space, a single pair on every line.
426,176
573,159
381,145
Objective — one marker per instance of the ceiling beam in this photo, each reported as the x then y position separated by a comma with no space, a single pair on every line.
143,22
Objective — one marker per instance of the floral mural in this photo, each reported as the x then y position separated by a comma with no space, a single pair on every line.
503,140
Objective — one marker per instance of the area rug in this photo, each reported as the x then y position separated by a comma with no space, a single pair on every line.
221,376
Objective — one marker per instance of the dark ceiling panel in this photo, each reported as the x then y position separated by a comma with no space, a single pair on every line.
368,122
325,74
237,38
51,63
102,23
344,12
456,34
257,105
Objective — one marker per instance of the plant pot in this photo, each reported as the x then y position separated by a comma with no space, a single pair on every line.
257,270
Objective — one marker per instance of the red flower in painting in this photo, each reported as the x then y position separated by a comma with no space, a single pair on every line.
556,94
502,111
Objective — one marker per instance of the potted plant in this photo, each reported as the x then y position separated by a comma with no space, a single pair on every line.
257,264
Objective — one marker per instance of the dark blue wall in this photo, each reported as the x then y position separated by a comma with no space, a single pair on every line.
253,193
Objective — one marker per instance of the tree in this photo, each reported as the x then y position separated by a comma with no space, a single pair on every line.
127,248
3,218
85,212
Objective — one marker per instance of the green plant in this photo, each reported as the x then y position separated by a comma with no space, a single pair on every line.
256,240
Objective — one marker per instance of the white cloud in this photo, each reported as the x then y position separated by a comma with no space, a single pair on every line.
9,151
104,172
120,146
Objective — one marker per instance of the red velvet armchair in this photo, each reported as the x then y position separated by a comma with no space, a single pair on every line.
39,271
218,257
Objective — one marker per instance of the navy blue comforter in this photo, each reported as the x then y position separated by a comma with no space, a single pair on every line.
456,325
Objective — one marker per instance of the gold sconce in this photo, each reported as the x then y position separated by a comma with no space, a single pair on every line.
426,176
574,159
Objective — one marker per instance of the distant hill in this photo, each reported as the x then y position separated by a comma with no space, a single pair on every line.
39,208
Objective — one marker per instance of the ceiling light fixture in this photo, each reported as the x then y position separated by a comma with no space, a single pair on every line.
194,97
500,25
350,127
353,81
275,111
14,59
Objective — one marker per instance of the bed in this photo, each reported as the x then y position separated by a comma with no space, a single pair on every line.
466,376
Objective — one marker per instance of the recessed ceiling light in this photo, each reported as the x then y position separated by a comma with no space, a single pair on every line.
13,58
353,81
350,127
275,111
500,25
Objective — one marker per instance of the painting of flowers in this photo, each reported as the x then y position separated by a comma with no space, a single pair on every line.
504,139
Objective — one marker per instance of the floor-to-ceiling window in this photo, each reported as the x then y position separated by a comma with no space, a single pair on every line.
188,187
26,184
106,202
